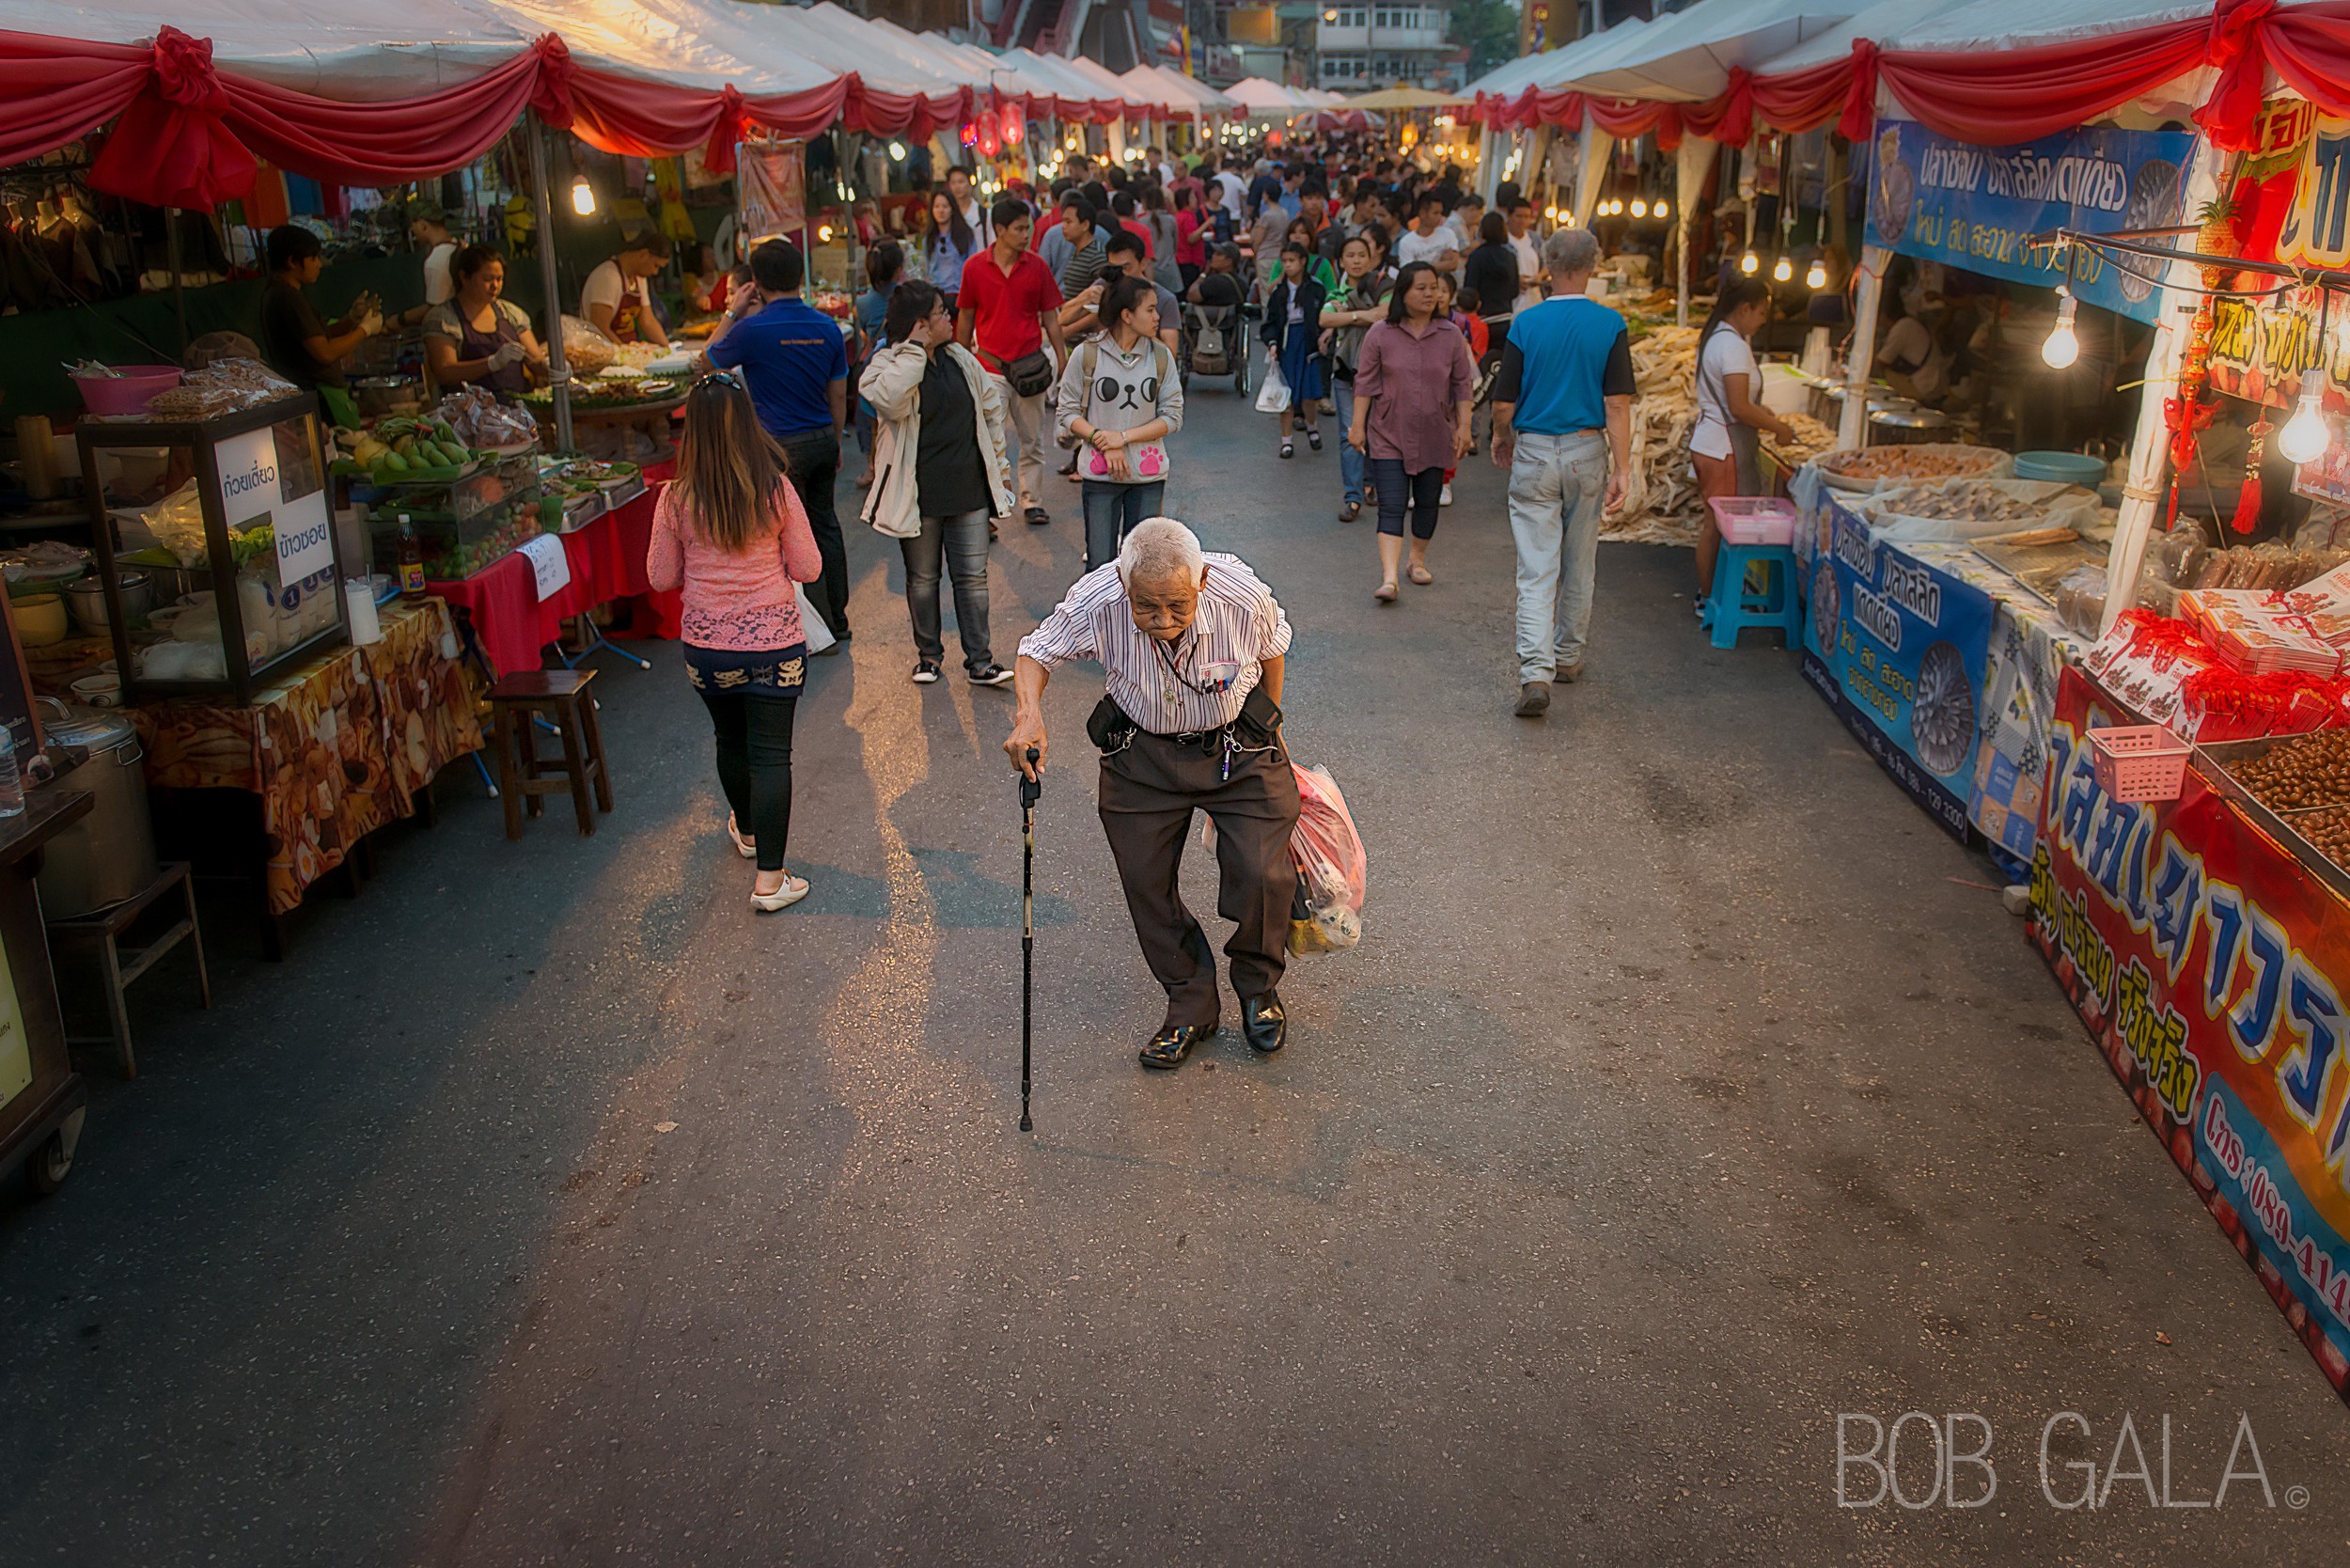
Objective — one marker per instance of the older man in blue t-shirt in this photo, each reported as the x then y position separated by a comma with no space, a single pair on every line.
795,361
1562,427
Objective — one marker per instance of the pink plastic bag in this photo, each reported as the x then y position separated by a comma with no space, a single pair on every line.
1331,868
1328,913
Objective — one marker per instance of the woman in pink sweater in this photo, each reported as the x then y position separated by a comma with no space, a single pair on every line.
729,531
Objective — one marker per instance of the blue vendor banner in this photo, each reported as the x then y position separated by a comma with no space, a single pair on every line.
1978,207
1899,649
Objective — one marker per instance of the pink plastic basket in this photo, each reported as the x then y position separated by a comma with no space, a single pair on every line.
2139,761
128,390
1754,519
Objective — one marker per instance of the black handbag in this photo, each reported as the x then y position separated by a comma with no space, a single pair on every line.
1108,728
1030,374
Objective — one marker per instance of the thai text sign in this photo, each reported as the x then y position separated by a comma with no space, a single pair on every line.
2202,958
1899,649
1978,207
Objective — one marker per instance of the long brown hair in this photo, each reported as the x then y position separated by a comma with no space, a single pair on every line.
728,466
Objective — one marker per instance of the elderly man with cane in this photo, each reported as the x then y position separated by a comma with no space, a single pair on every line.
1191,649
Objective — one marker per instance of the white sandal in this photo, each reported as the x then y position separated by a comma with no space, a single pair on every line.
743,847
793,889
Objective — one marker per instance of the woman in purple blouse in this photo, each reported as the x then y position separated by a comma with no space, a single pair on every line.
1413,384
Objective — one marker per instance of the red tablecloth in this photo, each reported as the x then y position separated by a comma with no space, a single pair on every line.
607,560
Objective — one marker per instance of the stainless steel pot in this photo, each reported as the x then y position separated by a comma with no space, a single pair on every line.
85,600
108,856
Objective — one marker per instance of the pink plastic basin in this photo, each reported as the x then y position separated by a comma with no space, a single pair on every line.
1754,519
128,391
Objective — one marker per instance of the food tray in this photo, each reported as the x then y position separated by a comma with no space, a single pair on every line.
2038,567
2212,763
1906,463
580,510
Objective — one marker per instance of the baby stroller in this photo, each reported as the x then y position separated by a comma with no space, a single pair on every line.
1214,340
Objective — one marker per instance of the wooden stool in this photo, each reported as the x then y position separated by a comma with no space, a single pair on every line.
562,696
99,930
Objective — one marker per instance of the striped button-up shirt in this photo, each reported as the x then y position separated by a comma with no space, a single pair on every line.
1169,688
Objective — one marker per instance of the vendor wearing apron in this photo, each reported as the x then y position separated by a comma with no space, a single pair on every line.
478,337
615,299
1723,447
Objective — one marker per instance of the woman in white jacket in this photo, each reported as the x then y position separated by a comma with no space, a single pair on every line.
940,473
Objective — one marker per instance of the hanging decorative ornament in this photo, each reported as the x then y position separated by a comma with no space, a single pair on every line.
2247,500
2194,407
970,133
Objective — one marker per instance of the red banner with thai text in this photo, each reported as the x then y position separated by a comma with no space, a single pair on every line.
2202,957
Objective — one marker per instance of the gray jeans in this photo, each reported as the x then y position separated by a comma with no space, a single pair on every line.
960,545
1557,483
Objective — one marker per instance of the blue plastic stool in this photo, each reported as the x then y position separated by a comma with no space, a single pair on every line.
1731,608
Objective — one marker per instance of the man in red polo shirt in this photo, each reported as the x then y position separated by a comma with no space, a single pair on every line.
1008,307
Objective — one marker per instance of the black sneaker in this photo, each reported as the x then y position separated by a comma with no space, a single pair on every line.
926,674
992,674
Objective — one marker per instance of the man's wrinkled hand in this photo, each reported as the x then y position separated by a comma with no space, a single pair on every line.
1027,732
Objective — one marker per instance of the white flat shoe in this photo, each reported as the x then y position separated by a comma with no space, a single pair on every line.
743,846
793,889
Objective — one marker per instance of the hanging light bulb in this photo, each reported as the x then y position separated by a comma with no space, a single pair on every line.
1659,211
1784,271
2305,437
2062,347
823,232
1640,208
897,153
1817,276
1750,263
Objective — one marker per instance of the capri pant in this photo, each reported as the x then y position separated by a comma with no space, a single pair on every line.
1426,491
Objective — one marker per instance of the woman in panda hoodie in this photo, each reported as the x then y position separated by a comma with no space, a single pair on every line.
1120,398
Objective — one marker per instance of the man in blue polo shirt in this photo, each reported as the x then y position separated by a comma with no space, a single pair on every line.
1562,427
795,362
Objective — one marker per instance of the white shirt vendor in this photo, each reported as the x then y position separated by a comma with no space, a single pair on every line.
1726,354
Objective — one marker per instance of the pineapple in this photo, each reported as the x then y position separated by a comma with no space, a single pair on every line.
2217,237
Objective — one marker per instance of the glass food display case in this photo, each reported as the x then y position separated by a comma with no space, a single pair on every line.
242,577
464,524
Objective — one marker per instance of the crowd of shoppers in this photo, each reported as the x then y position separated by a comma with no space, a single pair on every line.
964,333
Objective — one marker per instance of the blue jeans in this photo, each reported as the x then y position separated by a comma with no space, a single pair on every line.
1111,512
1350,461
1557,483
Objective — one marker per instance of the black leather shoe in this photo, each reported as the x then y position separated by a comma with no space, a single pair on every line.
1173,1043
1264,1023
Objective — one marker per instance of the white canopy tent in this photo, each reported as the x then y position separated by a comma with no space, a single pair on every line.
1184,93
1687,57
1264,99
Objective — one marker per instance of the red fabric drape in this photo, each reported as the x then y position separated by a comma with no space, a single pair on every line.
1992,98
1729,119
187,134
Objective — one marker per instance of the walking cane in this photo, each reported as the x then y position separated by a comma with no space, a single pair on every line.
1029,788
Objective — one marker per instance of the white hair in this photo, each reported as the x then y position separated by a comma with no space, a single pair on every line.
1158,549
1569,251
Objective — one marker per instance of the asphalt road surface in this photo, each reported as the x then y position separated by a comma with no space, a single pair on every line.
1684,1095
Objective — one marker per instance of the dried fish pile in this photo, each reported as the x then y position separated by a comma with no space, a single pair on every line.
1660,504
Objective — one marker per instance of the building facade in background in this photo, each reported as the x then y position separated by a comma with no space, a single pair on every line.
1360,45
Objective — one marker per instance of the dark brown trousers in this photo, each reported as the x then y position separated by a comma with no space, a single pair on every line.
1148,790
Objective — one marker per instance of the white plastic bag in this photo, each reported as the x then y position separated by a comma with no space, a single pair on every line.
812,627
1274,395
